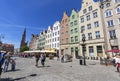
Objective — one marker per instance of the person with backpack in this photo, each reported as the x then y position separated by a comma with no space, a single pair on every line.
1,62
13,64
43,58
37,57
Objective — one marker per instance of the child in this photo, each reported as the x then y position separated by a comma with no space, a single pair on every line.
13,65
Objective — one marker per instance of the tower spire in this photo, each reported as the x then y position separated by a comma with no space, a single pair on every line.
23,41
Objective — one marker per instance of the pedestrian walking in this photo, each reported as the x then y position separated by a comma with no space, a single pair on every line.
62,58
37,57
13,64
43,58
58,57
6,62
1,62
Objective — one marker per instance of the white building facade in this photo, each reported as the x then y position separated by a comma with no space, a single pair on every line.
48,44
56,36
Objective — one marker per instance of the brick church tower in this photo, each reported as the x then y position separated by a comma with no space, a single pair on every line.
23,41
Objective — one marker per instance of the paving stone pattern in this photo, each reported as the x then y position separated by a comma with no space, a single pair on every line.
56,71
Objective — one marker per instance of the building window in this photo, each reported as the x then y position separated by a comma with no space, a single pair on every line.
116,1
96,24
82,29
108,13
83,35
72,40
62,33
90,8
112,34
119,20
91,49
88,17
110,23
65,20
73,16
72,31
95,15
62,28
89,36
75,22
76,30
118,10
108,4
82,20
62,40
57,44
67,40
71,24
67,32
88,26
58,32
58,38
53,34
76,38
84,11
97,33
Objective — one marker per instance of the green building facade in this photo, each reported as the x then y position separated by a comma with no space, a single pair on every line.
74,34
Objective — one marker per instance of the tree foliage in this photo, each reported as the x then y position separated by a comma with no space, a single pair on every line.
24,48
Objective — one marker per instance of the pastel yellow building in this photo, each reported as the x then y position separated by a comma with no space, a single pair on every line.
91,27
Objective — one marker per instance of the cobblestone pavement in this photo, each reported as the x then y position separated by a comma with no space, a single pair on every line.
56,71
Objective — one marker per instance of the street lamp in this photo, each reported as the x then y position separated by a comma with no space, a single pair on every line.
84,49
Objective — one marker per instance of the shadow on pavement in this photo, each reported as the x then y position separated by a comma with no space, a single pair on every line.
42,66
19,78
6,79
14,70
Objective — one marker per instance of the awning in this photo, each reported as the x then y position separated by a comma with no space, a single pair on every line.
41,51
34,51
113,50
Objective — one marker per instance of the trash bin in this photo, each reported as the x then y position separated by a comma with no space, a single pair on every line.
81,61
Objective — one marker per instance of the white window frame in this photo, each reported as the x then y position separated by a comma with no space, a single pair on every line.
118,20
97,33
95,14
116,1
118,7
108,13
111,21
96,24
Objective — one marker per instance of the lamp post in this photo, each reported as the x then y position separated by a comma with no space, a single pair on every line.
84,49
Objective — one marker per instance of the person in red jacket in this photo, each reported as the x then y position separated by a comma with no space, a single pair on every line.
118,65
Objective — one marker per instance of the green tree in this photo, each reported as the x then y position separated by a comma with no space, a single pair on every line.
24,48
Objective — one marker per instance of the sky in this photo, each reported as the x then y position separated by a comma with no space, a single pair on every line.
35,15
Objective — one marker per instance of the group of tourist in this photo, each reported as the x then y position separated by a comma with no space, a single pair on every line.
40,56
5,60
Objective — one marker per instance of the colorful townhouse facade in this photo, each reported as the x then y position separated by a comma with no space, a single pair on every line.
48,44
64,34
74,33
111,20
34,42
91,28
42,40
56,37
